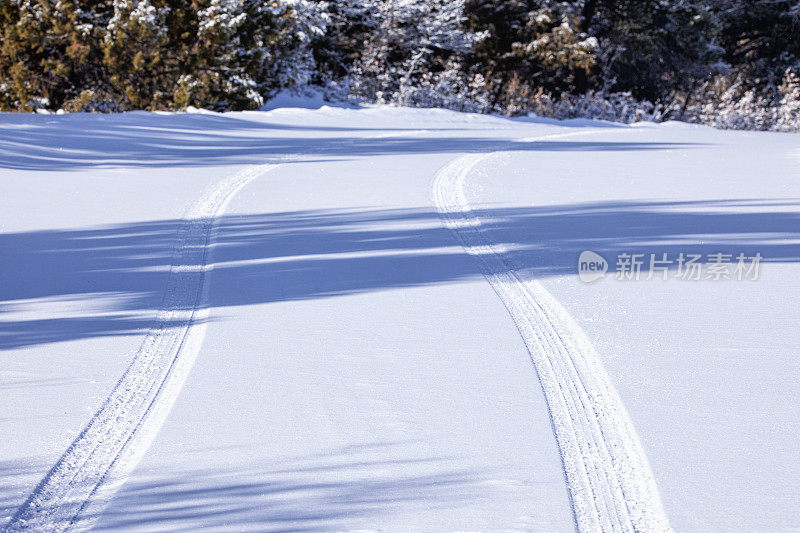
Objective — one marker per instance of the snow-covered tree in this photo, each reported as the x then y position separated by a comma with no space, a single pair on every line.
789,110
410,50
529,46
136,51
218,54
728,62
50,51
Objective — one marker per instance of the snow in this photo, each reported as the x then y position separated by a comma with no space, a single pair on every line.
609,480
352,354
292,99
706,369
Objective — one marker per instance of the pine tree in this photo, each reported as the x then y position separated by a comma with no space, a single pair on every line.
247,50
531,46
761,38
653,48
398,51
138,51
50,51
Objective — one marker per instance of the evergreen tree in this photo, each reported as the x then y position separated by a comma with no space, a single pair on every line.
530,45
732,63
139,47
761,38
653,48
50,51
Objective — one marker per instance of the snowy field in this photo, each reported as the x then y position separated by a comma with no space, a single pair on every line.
323,318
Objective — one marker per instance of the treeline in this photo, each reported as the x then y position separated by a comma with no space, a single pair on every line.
730,63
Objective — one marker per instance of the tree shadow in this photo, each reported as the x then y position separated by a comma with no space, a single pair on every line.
316,492
303,255
60,143
17,477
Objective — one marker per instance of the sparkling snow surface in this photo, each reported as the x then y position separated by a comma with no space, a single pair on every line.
358,370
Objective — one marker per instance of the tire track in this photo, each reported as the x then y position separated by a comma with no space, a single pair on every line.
96,463
608,477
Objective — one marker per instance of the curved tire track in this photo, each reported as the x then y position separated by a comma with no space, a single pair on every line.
608,477
77,488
